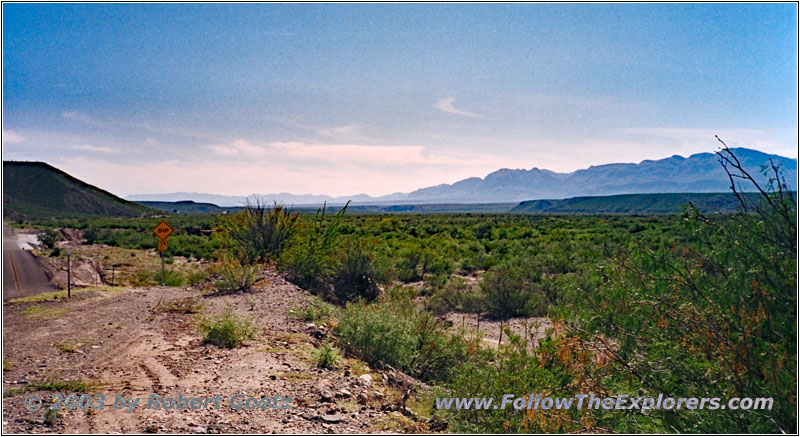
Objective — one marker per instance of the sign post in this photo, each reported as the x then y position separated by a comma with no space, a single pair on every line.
162,231
69,276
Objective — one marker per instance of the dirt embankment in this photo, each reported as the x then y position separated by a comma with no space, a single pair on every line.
129,342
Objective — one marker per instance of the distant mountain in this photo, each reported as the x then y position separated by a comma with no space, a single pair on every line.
39,190
699,173
660,203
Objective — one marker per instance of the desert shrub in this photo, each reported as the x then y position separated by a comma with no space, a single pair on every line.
719,307
397,334
456,295
408,269
259,233
309,261
172,278
227,330
145,278
522,372
180,306
354,277
233,275
483,231
90,235
327,356
48,238
315,310
416,263
309,270
509,291
196,277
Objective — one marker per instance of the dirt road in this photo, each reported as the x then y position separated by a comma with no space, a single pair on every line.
129,342
22,274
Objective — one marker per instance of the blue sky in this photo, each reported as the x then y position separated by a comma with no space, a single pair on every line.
348,98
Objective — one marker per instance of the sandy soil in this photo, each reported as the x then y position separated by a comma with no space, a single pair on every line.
123,341
537,327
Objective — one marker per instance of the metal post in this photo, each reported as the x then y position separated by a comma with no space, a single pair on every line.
162,268
112,274
69,276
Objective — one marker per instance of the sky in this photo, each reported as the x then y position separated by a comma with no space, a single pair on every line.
342,99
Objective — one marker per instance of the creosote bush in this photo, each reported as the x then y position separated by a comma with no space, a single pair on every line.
396,333
354,277
233,276
510,291
227,330
456,295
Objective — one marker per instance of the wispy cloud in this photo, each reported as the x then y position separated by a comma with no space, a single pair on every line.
357,153
347,130
237,148
12,137
78,116
95,149
446,105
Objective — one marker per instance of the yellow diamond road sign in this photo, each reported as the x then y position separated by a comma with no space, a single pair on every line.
162,230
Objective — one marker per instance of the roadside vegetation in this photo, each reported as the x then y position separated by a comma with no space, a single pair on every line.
687,305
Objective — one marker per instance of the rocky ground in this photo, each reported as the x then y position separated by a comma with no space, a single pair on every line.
135,342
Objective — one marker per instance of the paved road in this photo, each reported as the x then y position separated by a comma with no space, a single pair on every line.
22,274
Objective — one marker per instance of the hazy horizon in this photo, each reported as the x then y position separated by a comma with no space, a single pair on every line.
343,99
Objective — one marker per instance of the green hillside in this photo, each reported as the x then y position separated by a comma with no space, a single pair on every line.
34,190
657,203
186,207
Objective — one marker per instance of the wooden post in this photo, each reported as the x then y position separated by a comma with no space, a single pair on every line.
501,335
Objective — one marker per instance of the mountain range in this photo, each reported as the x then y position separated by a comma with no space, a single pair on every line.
699,173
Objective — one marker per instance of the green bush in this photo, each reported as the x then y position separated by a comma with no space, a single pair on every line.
354,278
233,276
144,279
518,371
316,310
172,278
509,291
309,261
456,295
309,270
259,233
90,235
197,277
327,356
397,334
227,330
409,267
49,238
